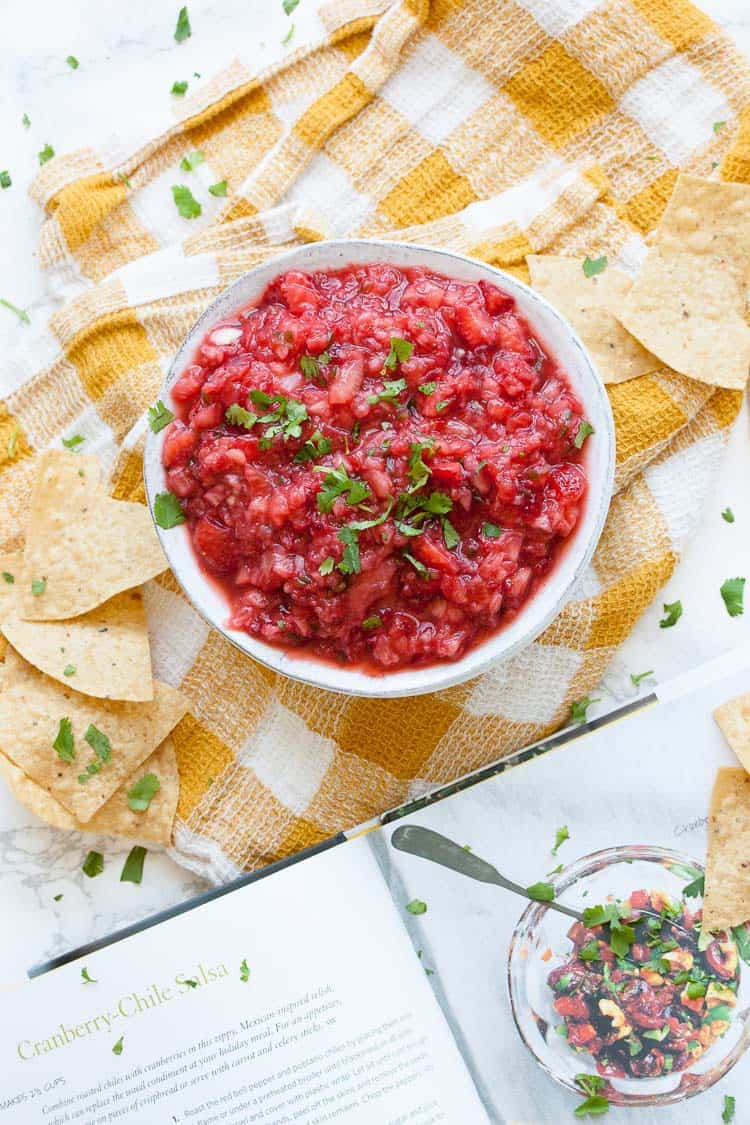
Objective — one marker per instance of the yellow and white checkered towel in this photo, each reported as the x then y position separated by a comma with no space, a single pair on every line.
494,128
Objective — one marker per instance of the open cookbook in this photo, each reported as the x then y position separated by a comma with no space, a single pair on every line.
388,978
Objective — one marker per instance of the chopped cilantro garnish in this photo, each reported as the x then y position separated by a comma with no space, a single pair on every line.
289,6
26,121
491,531
288,37
99,743
419,473
20,313
399,352
93,864
188,207
8,577
373,622
190,162
636,677
38,586
589,1083
420,568
179,88
350,563
579,708
118,1046
183,29
132,871
541,892
408,529
238,416
244,971
595,1106
621,936
732,591
727,1114
440,406
392,388
673,611
167,510
451,538
728,515
309,365
327,565
590,951
72,62
336,482
718,126
46,154
5,180
719,1012
315,446
561,835
73,442
696,988
593,266
143,792
428,388
64,741
57,898
69,670
582,433
85,976
416,906
159,416
218,189
696,888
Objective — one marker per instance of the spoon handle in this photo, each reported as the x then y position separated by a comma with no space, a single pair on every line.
426,844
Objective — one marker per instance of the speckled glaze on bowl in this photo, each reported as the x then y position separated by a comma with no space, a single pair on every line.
554,333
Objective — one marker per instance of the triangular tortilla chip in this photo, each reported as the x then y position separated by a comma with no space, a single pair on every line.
114,818
82,547
105,652
733,719
32,706
586,302
10,568
726,901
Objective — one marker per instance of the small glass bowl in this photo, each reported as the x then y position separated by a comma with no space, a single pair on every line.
594,879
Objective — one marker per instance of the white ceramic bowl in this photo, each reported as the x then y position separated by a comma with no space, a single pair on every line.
554,333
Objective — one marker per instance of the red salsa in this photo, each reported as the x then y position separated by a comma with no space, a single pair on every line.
377,464
643,999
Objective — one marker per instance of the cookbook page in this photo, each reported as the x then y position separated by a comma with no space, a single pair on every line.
297,998
637,791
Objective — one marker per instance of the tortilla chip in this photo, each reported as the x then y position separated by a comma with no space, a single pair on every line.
726,901
733,718
83,545
9,564
108,648
31,707
114,818
688,303
586,302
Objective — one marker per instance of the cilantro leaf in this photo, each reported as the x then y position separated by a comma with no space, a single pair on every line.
636,677
420,568
727,1114
72,62
732,591
288,37
244,971
69,670
327,565
696,888
350,563
590,951
579,708
289,6
428,388
183,29
8,577
132,871
451,538
541,892
373,622
595,1106
93,864
188,207
741,935
20,313
179,88
117,1047
58,898
584,429
26,121
416,906
601,915
363,525
728,515
419,473
336,482
236,415
399,352
85,977
38,586
190,162
219,189
673,611
491,531
159,416
392,388
73,442
99,743
561,835
167,510
143,792
64,741
589,1083
593,266
46,154
718,126
315,446
5,180
440,406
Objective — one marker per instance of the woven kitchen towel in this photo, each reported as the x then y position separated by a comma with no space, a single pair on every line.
494,128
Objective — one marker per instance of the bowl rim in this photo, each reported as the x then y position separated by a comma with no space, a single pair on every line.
532,916
478,659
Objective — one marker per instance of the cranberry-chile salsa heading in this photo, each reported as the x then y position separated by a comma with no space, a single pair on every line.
377,464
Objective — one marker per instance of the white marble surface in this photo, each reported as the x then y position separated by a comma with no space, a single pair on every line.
128,62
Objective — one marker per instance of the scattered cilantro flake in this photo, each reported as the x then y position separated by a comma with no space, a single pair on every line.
327,565
72,62
696,888
561,835
718,126
732,591
186,204
373,622
593,266
440,406
729,1108
5,180
183,29
167,510
218,189
315,446
46,154
143,792
589,1083
244,971
289,6
159,416
85,977
451,538
399,352
491,531
416,906
73,442
20,313
590,951
238,416
336,482
190,162
179,88
555,870
636,677
132,871
728,515
579,708
93,864
420,568
38,586
57,898
583,431
26,121
594,1106
428,388
309,365
350,563
673,611
696,989
117,1047
64,741
392,388
8,577
541,892
288,37
69,670
419,473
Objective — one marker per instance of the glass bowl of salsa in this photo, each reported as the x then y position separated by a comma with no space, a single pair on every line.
633,995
